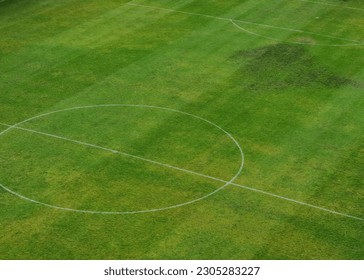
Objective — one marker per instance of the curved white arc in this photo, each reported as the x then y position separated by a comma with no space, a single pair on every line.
355,42
108,212
183,204
113,151
226,183
292,42
16,126
297,30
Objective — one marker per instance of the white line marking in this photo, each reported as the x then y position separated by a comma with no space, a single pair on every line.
111,212
168,166
290,42
226,183
247,22
176,11
329,4
297,201
113,151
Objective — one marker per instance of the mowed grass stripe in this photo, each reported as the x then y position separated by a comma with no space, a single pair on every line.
54,55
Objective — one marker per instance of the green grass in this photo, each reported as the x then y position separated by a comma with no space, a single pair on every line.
294,103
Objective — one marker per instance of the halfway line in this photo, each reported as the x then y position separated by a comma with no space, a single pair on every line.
184,170
114,152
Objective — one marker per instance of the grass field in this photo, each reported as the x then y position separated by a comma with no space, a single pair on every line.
122,126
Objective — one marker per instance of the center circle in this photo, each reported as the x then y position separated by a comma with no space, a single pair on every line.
120,153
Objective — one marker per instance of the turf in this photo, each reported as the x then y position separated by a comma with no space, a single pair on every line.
293,100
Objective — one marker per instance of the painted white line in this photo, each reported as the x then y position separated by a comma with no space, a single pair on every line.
265,37
296,30
108,212
297,202
333,5
176,11
225,182
291,42
247,22
167,166
113,151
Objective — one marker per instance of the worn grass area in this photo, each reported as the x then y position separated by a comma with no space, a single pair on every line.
281,83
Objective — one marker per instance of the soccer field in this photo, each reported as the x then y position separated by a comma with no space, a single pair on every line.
184,129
